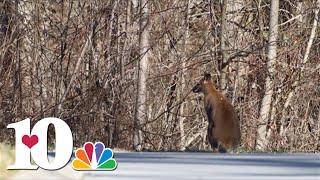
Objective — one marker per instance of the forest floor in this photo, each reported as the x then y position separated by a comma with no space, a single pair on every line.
7,154
184,165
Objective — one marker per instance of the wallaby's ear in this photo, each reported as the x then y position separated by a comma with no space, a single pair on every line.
207,76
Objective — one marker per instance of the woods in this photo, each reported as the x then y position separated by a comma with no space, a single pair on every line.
121,71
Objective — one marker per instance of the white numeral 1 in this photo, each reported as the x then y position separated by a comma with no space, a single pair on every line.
22,152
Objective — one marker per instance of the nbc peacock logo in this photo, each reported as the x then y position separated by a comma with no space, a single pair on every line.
94,157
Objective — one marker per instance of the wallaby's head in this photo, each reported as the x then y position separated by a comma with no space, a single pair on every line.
199,87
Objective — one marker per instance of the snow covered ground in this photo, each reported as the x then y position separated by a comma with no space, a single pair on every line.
178,165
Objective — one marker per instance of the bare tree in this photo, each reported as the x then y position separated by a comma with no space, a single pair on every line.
295,84
223,40
141,106
262,142
81,60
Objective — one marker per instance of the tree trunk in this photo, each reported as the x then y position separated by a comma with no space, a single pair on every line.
140,114
223,35
183,79
262,141
304,61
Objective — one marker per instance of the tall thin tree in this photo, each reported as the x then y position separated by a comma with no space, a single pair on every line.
223,39
262,141
140,112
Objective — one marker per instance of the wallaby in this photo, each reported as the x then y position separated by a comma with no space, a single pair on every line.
223,127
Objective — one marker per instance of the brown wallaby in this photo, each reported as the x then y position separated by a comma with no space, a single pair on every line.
223,127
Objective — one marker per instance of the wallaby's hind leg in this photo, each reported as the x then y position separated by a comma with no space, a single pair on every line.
221,149
212,141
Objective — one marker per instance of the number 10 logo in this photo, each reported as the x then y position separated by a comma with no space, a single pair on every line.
35,143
